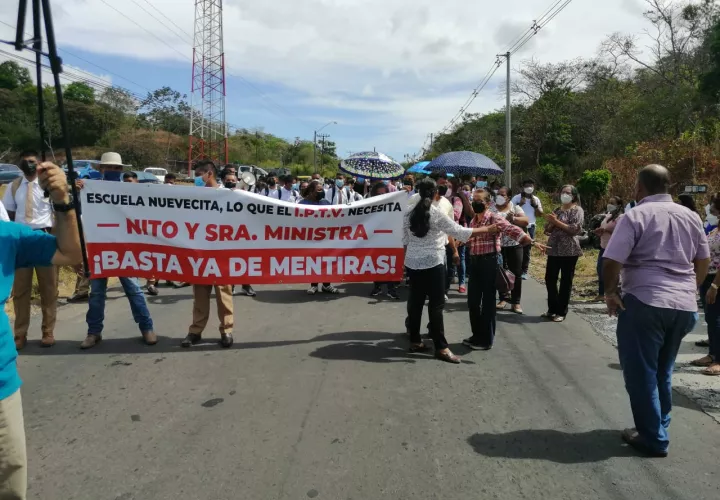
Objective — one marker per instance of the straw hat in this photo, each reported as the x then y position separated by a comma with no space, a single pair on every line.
112,159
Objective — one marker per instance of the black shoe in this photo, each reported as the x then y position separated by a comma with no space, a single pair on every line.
475,346
78,297
392,293
226,340
375,291
191,339
248,290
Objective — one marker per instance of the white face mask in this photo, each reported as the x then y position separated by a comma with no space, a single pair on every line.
529,190
500,200
566,199
712,220
611,208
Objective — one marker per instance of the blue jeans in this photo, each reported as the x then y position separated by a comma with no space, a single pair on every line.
712,318
601,284
648,342
138,306
461,268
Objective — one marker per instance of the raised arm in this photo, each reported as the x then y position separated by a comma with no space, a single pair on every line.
53,180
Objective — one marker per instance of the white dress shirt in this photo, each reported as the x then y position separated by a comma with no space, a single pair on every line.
41,216
527,207
285,194
3,214
429,251
337,196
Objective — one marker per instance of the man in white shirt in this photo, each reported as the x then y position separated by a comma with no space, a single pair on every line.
353,195
287,191
336,194
532,207
270,190
27,204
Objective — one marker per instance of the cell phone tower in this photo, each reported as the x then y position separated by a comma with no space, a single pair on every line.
208,128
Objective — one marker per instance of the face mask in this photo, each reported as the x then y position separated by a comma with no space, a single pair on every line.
28,167
112,175
500,200
566,199
529,190
199,181
295,187
319,195
339,183
712,220
478,207
230,185
481,184
495,191
611,208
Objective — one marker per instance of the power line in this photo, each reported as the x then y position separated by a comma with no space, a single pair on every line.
166,17
515,45
158,20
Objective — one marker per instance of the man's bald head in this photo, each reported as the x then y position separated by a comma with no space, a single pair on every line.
653,179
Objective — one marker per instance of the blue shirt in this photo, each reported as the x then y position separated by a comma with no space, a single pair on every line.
308,202
20,246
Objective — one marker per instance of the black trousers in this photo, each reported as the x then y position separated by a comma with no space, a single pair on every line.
513,261
564,268
427,283
526,250
450,267
481,298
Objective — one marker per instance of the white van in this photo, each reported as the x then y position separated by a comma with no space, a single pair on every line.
158,172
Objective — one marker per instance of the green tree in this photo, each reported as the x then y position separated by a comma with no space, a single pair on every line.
80,92
13,76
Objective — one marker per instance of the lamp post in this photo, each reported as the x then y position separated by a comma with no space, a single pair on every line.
315,133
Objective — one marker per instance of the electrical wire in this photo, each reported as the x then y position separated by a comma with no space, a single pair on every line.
166,17
515,45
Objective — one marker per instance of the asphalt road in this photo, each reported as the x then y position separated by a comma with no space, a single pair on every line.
318,399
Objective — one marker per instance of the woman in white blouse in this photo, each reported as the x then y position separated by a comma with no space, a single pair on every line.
425,233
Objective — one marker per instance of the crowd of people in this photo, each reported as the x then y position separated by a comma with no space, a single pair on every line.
461,229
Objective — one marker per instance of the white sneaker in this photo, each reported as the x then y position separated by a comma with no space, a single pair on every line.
312,290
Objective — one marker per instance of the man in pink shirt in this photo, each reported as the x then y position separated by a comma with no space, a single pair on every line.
663,253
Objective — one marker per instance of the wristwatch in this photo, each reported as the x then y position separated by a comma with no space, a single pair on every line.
65,207
714,286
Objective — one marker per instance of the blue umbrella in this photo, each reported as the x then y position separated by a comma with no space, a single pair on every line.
372,165
464,162
419,168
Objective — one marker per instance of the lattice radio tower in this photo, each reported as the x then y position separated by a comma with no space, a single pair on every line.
208,128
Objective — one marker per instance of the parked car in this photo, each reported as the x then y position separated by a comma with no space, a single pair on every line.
158,172
146,177
9,173
85,169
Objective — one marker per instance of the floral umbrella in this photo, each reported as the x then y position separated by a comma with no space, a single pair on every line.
372,165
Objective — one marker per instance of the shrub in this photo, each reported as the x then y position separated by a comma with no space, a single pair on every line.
551,177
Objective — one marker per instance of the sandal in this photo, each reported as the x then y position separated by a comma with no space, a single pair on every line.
517,309
447,356
704,361
501,305
548,315
558,319
421,347
713,370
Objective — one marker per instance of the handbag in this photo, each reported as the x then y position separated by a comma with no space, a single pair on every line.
504,280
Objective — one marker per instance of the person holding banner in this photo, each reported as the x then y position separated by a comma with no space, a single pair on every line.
205,169
23,247
111,168
229,179
426,229
315,195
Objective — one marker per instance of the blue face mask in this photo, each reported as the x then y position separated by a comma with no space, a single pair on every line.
481,184
295,186
199,182
112,175
339,183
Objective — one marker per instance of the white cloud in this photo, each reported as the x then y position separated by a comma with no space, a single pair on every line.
403,66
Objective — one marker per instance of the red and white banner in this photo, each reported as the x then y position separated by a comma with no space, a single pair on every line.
217,236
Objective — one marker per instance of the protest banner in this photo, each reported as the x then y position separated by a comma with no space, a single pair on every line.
218,236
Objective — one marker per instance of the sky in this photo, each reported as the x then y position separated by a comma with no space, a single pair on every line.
389,72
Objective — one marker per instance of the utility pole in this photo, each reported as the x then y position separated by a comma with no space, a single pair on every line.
322,148
508,129
315,151
257,143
